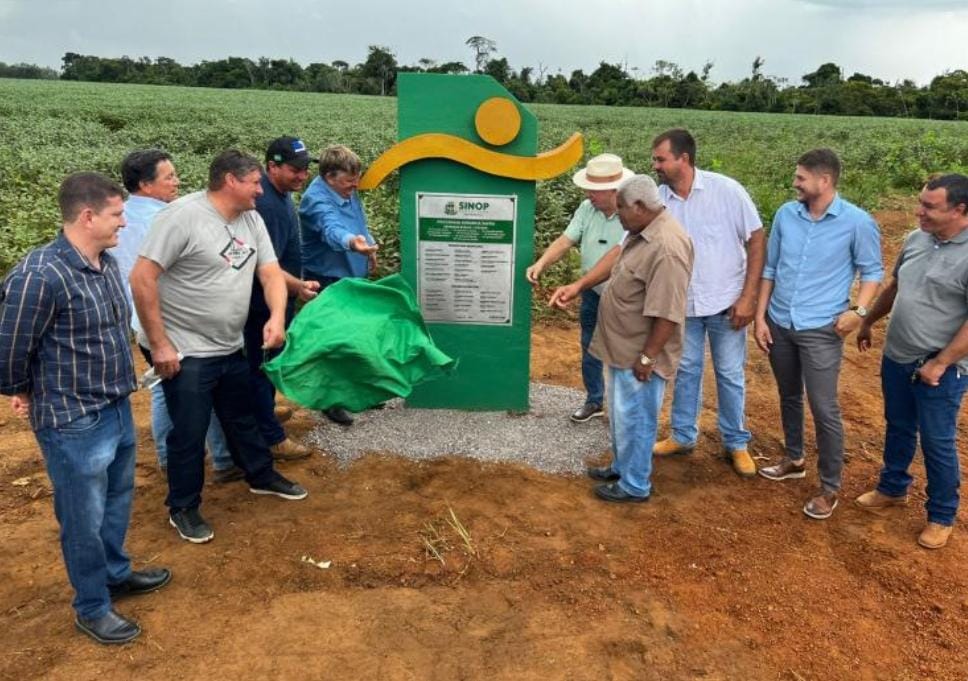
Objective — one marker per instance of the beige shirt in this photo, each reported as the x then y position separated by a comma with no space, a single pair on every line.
649,280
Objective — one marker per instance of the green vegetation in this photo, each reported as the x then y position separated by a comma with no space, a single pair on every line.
51,128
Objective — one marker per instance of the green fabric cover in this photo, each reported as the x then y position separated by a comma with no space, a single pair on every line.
359,343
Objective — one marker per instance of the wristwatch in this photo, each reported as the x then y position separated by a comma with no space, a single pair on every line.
645,360
860,310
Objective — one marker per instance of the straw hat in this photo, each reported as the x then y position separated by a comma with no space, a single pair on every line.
604,171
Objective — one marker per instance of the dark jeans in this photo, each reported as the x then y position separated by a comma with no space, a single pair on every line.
202,384
912,409
591,367
263,392
810,358
90,462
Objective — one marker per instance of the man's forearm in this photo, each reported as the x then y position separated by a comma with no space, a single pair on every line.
763,300
755,259
293,284
957,349
866,292
555,251
275,294
147,304
662,330
883,304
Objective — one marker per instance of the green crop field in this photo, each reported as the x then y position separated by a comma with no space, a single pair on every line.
49,129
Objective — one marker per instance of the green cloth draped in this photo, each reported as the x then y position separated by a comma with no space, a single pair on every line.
359,343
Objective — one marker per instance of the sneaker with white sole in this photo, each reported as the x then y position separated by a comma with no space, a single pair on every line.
587,412
191,526
282,488
784,470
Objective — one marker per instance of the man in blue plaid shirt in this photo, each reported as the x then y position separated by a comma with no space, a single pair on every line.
66,362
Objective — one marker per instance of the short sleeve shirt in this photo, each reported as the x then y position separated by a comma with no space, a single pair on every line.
931,304
208,267
594,233
719,217
649,280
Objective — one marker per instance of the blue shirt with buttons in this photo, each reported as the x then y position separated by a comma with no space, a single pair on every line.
813,263
329,222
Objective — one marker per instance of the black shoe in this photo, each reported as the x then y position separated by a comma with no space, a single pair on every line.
281,487
226,475
110,629
339,415
140,582
612,492
587,412
602,473
191,526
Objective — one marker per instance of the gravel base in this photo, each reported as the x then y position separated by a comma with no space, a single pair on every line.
544,438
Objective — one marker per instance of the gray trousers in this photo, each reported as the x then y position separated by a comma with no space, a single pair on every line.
810,358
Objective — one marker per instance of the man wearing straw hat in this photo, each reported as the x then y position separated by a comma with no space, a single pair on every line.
596,229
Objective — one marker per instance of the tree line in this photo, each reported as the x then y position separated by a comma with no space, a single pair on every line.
666,84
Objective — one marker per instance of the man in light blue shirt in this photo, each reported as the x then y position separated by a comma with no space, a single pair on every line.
336,241
727,235
152,183
818,245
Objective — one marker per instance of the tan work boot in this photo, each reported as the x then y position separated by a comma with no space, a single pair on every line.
669,447
288,450
743,463
282,413
935,535
876,500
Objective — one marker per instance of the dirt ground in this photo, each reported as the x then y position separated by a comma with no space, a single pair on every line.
717,578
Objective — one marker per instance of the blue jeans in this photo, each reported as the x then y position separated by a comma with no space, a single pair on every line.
201,384
913,409
728,349
161,426
591,367
633,407
90,462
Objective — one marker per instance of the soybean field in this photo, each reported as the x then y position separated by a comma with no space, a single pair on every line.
53,128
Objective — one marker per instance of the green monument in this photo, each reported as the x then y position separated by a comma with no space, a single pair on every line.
467,154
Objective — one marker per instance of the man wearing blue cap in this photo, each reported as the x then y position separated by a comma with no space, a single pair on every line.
286,171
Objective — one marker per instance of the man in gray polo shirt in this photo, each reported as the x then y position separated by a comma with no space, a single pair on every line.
192,286
924,371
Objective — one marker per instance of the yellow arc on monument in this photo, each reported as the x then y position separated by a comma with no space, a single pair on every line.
498,122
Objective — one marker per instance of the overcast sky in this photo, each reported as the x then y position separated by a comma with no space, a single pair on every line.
889,39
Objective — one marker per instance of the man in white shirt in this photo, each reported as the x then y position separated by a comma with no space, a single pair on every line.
729,243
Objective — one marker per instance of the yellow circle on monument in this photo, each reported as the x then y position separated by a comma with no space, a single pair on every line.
497,121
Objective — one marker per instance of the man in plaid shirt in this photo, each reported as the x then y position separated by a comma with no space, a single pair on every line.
66,362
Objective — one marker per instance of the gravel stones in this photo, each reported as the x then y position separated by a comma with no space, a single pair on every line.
543,438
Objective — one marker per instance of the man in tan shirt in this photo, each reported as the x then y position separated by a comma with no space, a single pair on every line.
639,332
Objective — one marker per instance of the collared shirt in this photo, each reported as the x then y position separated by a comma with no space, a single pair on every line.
720,218
329,222
931,304
64,334
139,211
649,280
594,233
814,262
279,214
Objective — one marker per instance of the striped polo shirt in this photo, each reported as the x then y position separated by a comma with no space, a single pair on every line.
64,334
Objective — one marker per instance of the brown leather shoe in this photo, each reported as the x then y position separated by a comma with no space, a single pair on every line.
743,463
935,535
784,470
282,413
669,447
874,500
288,450
821,506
